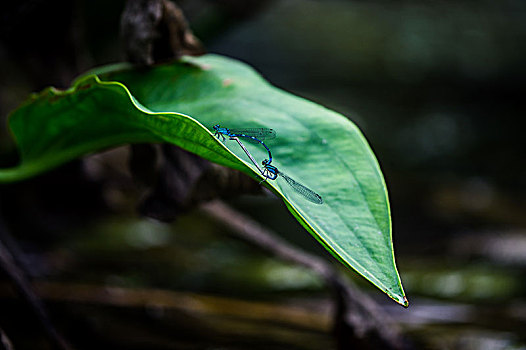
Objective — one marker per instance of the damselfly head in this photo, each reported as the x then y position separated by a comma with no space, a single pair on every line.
216,127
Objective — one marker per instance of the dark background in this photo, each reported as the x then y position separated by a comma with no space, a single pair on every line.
435,86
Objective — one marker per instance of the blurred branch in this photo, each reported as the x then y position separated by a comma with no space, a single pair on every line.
178,319
25,290
191,303
180,180
359,321
5,343
156,30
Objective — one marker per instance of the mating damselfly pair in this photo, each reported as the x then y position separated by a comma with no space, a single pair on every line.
256,135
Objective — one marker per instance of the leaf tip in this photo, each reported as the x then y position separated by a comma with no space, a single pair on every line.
399,298
405,302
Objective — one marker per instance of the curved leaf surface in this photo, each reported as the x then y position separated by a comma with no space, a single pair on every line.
315,146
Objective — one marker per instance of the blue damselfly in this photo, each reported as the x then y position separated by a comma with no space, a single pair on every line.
254,135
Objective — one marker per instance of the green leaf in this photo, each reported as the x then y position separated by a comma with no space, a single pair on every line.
315,146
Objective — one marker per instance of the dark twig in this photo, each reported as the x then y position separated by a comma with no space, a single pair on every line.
24,288
358,320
